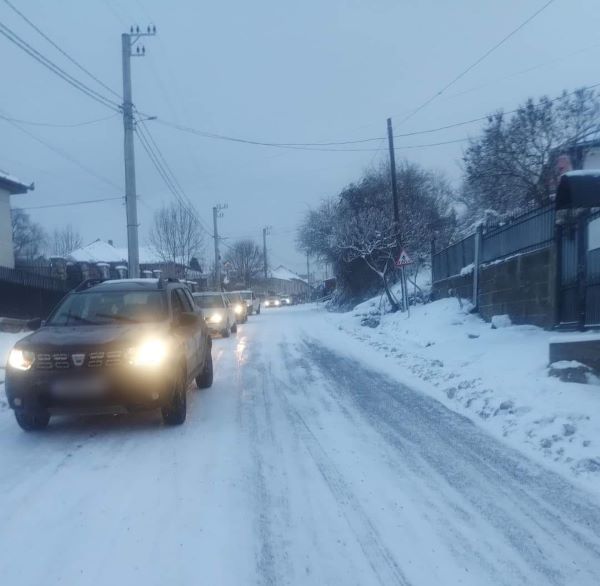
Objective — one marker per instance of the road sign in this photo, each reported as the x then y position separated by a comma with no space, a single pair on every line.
403,259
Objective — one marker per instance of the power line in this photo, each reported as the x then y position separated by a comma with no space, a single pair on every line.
72,203
56,125
40,58
317,145
61,153
477,62
160,164
60,50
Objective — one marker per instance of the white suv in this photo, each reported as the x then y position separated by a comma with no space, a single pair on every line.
252,301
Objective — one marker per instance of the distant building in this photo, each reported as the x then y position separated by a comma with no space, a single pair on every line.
104,260
9,185
282,281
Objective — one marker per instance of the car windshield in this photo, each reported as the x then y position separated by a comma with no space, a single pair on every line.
110,307
209,301
234,297
246,295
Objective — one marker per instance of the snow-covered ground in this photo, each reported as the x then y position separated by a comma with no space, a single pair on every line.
309,462
497,377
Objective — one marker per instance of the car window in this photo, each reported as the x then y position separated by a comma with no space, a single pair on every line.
176,304
209,301
109,307
190,299
187,306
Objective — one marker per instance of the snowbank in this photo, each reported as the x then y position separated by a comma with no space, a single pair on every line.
497,377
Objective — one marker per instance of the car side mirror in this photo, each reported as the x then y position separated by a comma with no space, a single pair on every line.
188,319
35,323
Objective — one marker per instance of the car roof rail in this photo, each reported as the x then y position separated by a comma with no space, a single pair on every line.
162,281
87,284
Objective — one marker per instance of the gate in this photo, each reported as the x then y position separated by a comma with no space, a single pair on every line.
578,272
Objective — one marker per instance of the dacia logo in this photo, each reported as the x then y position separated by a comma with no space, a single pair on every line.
78,359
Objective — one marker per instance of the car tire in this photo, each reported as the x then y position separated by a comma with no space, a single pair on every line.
225,332
258,310
174,413
32,421
234,328
205,379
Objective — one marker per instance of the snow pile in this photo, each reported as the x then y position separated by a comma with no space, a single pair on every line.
497,377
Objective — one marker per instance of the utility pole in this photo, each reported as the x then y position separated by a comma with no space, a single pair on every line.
266,231
217,213
403,283
308,273
128,40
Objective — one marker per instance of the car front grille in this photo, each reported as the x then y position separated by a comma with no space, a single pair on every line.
63,360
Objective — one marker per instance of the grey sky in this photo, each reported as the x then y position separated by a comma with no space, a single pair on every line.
270,70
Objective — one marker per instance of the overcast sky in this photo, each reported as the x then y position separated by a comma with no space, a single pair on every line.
273,71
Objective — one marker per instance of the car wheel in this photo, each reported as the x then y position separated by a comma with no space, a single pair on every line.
234,329
30,421
175,412
205,380
225,332
258,310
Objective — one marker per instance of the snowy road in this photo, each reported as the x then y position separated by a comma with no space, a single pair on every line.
301,465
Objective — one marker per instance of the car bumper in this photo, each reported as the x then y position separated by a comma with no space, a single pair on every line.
110,393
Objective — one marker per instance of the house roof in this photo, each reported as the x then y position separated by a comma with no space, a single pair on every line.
13,185
101,251
285,274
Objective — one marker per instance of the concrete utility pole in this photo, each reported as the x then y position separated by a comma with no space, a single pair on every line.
266,230
217,213
128,40
403,283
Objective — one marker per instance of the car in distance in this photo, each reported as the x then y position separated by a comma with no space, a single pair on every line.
217,312
252,302
111,347
286,300
272,301
240,309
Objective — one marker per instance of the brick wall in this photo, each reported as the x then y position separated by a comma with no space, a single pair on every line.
461,285
522,286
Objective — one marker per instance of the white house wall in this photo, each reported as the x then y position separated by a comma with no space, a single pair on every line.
7,256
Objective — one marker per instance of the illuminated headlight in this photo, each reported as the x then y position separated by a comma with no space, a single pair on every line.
248,303
267,303
277,302
238,308
288,301
21,359
215,318
151,353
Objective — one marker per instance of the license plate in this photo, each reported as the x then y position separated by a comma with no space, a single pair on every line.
91,387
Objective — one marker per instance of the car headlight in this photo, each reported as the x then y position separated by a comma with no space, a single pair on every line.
21,359
215,318
238,308
267,303
277,302
151,353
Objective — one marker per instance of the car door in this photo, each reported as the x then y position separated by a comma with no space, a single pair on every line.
194,335
201,334
184,334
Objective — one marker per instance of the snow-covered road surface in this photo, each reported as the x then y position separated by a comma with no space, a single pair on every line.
301,465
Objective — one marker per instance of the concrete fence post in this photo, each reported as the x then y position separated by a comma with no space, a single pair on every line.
476,264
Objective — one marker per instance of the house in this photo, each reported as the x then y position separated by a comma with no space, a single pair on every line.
103,259
282,281
9,185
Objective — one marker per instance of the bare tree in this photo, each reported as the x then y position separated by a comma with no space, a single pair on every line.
176,234
246,260
29,238
65,241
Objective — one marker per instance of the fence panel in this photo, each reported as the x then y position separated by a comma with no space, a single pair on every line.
450,261
525,233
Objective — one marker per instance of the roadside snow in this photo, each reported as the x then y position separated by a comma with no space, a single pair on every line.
497,377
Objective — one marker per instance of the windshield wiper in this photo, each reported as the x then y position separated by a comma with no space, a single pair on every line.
78,318
124,318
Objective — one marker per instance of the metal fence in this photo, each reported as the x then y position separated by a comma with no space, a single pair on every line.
450,261
524,233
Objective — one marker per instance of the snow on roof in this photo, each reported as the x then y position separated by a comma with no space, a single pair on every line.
100,251
13,184
285,274
583,173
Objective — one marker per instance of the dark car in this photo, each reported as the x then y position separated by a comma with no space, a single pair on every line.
111,347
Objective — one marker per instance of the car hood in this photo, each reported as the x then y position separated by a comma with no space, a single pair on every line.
50,338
